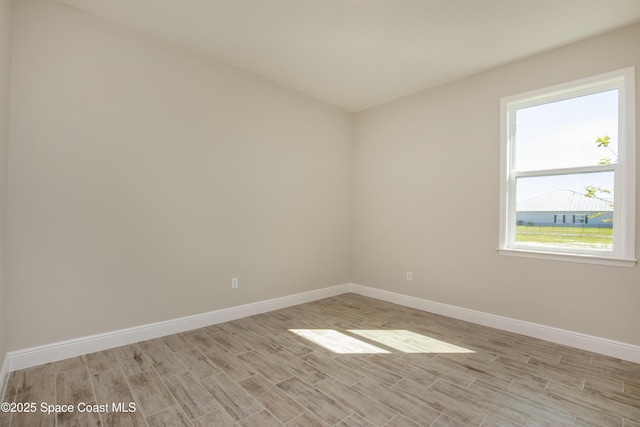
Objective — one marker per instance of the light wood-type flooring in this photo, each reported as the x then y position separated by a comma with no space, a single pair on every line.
342,361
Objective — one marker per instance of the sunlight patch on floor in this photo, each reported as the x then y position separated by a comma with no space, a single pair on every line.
409,342
338,342
397,339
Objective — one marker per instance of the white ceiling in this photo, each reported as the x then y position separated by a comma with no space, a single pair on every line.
356,54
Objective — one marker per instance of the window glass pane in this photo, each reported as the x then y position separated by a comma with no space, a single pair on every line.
566,211
564,133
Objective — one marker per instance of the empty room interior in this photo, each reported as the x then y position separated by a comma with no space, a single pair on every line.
318,213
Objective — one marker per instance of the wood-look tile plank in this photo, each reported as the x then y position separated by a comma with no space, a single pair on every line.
399,401
74,386
446,421
218,418
535,421
608,393
265,366
12,386
441,367
444,404
315,401
354,420
71,363
360,363
260,419
524,398
260,343
150,392
401,421
101,361
400,367
202,340
231,396
333,368
277,402
610,367
33,419
197,363
164,361
631,388
471,369
367,408
123,419
581,422
307,420
176,342
37,384
151,344
5,419
132,359
231,343
170,417
226,362
628,423
291,343
111,386
482,402
580,402
548,373
233,327
192,397
299,367
76,418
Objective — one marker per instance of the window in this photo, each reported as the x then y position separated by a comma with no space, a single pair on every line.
579,219
570,148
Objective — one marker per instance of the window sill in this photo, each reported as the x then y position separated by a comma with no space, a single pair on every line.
558,256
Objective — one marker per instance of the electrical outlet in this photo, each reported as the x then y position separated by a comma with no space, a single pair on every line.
409,276
234,283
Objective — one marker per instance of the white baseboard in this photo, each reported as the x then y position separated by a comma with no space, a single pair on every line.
559,336
76,347
62,350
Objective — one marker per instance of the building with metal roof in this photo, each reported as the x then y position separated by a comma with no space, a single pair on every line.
565,207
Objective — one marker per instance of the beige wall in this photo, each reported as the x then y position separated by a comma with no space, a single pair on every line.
5,68
143,177
426,200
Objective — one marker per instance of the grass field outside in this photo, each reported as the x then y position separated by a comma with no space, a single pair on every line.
598,238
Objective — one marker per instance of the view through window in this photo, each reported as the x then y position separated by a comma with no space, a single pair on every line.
568,168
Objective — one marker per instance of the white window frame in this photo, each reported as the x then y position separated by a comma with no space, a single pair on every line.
623,253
